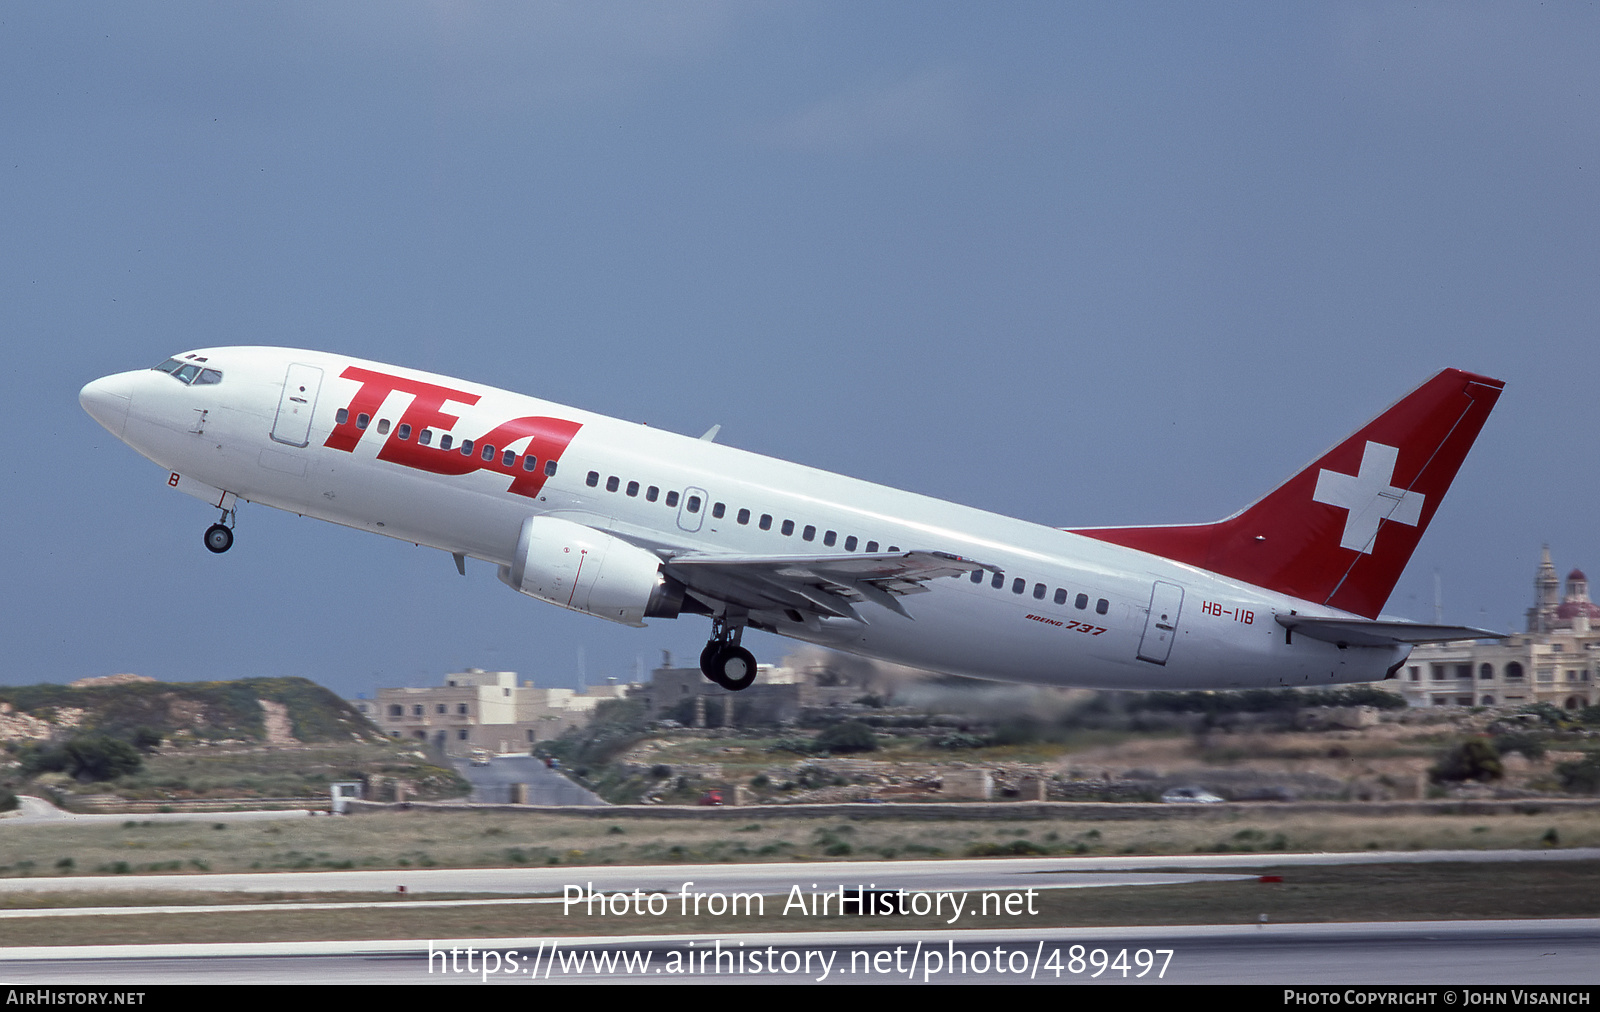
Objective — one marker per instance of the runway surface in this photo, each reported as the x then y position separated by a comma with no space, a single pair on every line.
968,874
1365,956
1452,954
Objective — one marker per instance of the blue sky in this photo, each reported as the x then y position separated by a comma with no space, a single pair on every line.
1078,263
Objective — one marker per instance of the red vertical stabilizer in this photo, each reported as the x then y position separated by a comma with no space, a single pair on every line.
1341,531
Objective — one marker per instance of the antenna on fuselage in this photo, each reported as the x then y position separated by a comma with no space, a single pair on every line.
711,434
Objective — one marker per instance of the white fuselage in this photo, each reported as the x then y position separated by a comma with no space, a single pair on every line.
220,435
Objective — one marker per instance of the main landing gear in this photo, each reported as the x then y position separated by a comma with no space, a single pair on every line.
724,661
219,536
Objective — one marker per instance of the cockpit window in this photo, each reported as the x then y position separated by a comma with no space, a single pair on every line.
189,373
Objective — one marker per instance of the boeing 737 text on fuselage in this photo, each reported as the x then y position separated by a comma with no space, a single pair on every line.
625,522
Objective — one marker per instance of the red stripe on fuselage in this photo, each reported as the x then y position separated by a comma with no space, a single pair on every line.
548,438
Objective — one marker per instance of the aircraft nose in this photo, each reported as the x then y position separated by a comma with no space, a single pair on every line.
107,400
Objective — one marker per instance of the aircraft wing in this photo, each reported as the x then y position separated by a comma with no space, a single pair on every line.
816,585
1357,632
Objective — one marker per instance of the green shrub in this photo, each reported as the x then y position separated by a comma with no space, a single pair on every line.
87,758
1519,741
1580,776
1471,760
848,736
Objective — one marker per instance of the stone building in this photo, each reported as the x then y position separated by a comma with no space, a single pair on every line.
687,696
776,697
477,709
1554,661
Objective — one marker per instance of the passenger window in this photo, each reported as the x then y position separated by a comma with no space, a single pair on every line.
744,516
1101,606
633,488
341,416
850,543
652,493
530,463
672,499
363,420
613,483
466,447
593,479
403,430
694,504
1038,592
1018,585
718,510
829,538
383,426
1061,595
444,441
872,546
508,459
488,451
766,521
425,437
977,576
892,548
788,528
550,468
1082,602
809,534
998,581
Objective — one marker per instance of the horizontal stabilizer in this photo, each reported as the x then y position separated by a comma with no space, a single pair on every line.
1355,632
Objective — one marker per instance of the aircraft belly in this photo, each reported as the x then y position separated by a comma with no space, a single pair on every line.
968,633
963,633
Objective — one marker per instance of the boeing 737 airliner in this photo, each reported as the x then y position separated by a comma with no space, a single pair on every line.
627,522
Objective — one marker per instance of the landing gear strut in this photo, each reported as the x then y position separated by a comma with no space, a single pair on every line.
219,536
723,660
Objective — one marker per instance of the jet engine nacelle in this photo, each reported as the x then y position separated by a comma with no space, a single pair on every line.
586,570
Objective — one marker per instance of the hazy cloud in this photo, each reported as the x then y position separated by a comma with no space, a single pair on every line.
546,52
1475,59
930,109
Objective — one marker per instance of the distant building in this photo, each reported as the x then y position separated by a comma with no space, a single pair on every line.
689,697
477,709
776,696
1554,661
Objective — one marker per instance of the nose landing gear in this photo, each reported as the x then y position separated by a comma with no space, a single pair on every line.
723,660
219,536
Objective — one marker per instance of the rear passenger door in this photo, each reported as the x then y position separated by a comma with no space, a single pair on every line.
1166,600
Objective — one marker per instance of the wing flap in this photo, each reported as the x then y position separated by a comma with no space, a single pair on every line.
826,585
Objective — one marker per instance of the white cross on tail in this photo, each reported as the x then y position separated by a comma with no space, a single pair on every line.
1369,497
